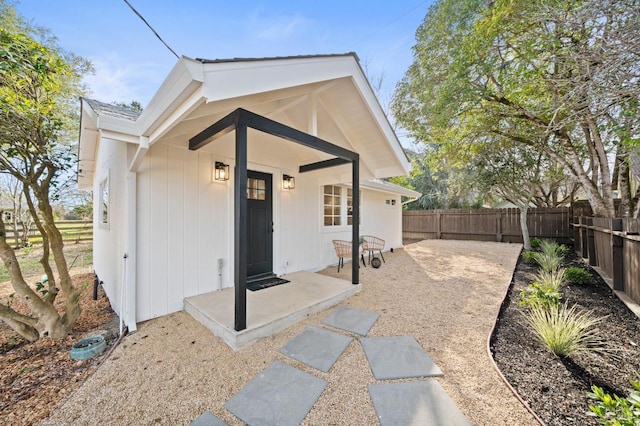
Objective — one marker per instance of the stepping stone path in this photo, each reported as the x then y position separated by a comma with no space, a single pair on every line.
284,395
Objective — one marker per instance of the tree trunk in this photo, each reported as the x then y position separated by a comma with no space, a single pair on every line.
47,321
523,226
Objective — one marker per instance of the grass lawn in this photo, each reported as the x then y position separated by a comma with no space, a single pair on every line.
79,255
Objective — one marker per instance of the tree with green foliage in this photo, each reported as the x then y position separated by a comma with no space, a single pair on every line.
39,85
559,77
440,187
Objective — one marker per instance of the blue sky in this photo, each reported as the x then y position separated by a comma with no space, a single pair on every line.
131,62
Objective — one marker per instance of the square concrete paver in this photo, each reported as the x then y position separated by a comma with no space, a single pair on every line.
398,357
352,320
316,347
208,419
415,403
279,395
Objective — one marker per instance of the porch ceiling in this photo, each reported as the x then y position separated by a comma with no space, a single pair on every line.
334,108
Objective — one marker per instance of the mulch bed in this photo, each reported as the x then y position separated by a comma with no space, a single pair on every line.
35,377
556,389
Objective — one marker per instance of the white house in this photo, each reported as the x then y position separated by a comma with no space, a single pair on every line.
167,227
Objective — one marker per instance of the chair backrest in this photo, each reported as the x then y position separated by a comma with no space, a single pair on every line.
343,248
372,243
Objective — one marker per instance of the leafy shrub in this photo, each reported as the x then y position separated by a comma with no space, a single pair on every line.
548,261
536,242
616,411
535,296
576,275
565,331
529,256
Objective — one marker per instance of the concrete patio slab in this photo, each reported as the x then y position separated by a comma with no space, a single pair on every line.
208,419
316,347
279,395
398,357
270,310
415,403
352,320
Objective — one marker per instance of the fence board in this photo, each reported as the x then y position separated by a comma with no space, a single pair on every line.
604,252
72,231
486,224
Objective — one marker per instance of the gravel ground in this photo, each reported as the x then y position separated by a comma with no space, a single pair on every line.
444,293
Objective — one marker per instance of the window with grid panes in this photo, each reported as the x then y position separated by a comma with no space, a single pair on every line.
332,204
256,189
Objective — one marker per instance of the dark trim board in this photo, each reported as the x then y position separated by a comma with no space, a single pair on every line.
239,120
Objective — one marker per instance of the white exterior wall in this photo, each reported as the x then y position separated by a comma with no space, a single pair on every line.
185,224
109,241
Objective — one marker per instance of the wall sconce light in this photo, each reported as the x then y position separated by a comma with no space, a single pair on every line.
221,171
288,182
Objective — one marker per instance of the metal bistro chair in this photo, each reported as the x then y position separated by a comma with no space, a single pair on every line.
372,244
343,249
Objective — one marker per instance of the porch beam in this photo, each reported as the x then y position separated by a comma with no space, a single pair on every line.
355,225
283,131
240,228
215,131
322,165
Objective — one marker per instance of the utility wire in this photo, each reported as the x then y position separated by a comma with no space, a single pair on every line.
151,28
388,24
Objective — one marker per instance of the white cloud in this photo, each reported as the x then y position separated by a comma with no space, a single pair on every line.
119,79
278,28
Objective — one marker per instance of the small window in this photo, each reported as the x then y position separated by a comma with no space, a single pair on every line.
332,205
256,189
104,203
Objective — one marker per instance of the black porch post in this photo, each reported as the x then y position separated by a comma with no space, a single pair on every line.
355,225
240,227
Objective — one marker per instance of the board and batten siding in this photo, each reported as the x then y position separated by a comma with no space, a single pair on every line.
109,241
185,224
182,230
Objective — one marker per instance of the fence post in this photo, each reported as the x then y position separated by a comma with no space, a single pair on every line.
591,243
499,226
617,255
583,237
577,243
438,226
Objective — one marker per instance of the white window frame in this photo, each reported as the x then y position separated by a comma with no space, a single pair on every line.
104,216
344,212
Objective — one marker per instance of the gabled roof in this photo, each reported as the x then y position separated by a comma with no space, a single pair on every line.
327,96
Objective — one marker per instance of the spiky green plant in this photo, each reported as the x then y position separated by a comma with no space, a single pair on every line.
535,242
565,331
552,248
548,261
550,280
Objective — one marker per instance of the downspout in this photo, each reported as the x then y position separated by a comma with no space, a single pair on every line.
131,260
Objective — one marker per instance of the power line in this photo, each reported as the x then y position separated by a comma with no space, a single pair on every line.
151,28
389,23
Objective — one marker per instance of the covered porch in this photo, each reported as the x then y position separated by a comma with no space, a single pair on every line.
269,310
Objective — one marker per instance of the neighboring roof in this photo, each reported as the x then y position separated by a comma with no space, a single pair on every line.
112,110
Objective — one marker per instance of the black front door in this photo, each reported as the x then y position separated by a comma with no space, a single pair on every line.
260,225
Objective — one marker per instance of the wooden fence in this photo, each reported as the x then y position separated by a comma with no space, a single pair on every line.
612,245
73,231
502,225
